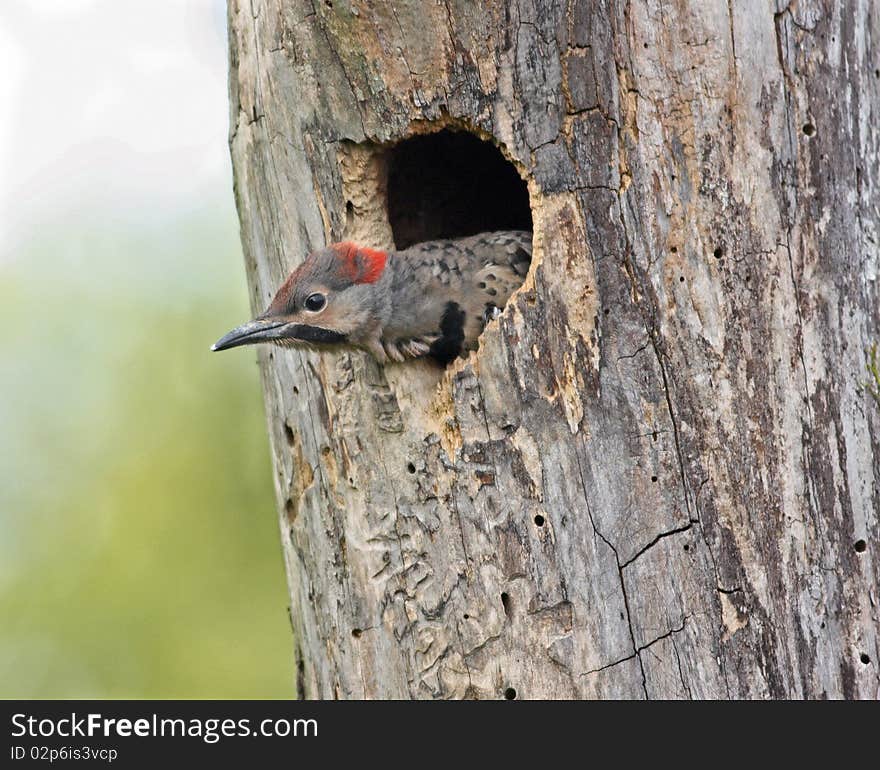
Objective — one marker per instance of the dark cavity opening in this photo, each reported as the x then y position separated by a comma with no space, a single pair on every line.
539,520
505,602
510,694
451,184
860,546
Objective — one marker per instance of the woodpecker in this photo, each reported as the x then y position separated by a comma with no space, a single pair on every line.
432,299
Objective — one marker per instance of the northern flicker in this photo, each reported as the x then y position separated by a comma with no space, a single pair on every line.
432,299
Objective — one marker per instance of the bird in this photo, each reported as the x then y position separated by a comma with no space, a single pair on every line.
432,299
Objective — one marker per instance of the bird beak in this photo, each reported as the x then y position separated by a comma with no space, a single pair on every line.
272,330
258,330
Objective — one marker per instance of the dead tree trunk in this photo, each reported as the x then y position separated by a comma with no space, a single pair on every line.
659,476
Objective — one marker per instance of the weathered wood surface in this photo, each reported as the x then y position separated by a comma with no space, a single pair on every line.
675,392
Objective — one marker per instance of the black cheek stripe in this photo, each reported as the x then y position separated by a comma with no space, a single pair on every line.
315,334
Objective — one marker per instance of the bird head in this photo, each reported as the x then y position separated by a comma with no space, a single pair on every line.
329,300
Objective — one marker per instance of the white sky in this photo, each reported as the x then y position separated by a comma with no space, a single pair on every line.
117,106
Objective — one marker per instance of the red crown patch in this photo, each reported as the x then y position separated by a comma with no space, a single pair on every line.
360,264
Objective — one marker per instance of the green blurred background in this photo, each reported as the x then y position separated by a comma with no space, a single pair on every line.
139,545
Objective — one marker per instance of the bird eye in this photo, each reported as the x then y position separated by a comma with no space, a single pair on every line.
315,302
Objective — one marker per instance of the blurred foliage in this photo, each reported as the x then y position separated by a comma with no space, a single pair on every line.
139,545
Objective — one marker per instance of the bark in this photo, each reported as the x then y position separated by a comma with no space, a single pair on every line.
659,476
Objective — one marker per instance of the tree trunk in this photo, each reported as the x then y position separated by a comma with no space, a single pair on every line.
659,475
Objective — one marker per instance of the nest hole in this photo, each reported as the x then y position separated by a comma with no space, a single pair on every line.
451,184
447,185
